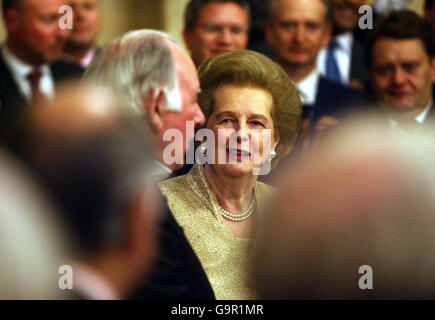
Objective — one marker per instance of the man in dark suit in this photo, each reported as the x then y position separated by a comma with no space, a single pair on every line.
81,47
343,60
162,89
297,30
400,57
28,60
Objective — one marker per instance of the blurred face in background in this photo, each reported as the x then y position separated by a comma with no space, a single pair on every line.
87,22
298,31
402,74
220,28
345,13
33,30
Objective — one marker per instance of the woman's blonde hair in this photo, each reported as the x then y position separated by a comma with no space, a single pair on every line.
249,68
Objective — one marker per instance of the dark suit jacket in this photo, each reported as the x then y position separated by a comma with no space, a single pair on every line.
10,97
178,274
357,64
334,99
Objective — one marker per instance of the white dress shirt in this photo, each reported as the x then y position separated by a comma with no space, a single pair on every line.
86,60
342,54
307,88
20,70
419,118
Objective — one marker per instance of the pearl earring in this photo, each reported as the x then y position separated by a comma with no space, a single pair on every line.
203,150
272,155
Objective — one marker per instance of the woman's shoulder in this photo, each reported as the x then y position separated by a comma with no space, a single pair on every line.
174,184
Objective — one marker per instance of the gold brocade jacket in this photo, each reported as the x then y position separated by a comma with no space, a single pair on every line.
225,258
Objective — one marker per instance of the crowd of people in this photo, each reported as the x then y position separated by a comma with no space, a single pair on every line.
235,170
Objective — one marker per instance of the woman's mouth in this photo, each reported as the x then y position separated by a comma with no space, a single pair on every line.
239,155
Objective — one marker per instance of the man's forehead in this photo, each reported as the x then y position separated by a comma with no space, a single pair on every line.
401,49
220,12
298,10
39,6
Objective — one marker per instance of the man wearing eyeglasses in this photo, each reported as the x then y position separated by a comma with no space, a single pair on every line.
213,27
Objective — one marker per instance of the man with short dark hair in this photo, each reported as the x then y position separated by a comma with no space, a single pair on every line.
212,27
28,60
400,59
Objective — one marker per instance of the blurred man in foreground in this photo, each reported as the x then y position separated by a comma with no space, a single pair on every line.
81,47
33,246
353,222
95,162
212,27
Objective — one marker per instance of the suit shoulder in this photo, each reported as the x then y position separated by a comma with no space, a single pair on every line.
336,88
62,70
174,184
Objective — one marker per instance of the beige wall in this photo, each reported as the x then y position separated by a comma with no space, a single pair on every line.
120,16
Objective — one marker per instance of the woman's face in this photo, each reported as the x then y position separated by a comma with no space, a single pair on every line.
243,129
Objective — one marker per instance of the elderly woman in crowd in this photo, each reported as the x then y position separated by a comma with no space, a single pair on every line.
248,101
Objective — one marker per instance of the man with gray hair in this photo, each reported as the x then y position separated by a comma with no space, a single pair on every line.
157,80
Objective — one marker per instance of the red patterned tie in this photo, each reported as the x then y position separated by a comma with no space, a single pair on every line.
34,76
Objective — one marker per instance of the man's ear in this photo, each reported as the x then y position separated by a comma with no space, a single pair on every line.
11,17
153,106
268,32
432,64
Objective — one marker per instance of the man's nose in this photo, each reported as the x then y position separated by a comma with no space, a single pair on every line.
225,36
199,118
399,76
300,34
63,33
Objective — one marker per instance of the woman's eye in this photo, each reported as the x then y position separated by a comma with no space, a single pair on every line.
257,123
226,121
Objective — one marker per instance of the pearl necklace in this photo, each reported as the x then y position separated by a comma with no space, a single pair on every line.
239,217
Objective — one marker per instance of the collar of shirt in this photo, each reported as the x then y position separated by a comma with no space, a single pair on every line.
160,171
92,284
419,118
86,60
20,70
343,54
307,88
